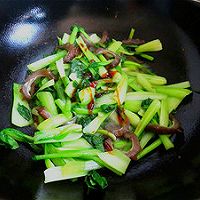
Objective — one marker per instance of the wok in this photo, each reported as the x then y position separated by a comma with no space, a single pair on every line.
28,30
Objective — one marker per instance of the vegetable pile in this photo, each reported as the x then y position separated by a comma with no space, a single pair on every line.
94,104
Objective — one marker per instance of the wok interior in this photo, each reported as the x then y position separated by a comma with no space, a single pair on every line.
29,31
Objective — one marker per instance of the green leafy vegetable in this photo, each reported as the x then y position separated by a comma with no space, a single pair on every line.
94,180
78,68
17,135
24,112
146,103
108,108
93,90
95,140
85,120
8,141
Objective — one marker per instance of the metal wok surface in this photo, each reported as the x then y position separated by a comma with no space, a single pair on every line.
28,30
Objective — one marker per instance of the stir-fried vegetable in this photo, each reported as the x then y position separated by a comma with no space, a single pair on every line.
93,106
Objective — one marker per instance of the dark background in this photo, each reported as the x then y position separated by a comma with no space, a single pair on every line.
28,30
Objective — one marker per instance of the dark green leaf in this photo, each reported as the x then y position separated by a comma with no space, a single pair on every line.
24,112
95,140
8,141
85,120
108,108
95,181
155,119
17,135
75,84
123,58
94,65
85,83
146,103
78,68
88,137
119,68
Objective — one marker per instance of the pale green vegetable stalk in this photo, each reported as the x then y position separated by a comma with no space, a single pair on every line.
47,85
131,64
46,61
105,99
115,160
149,148
60,132
48,162
154,45
59,89
50,148
78,144
146,137
53,122
86,154
61,104
86,95
144,83
93,126
164,121
90,56
131,34
47,100
85,111
72,169
120,93
18,100
173,103
62,137
148,115
133,118
114,46
65,38
102,58
70,89
185,84
132,82
133,106
146,56
153,79
94,38
132,96
60,68
122,50
65,107
82,30
72,37
174,92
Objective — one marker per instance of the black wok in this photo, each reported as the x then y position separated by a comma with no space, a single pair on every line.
28,30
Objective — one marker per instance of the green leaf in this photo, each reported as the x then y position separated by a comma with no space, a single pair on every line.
78,68
85,83
85,120
95,140
24,112
145,103
17,135
8,141
94,180
108,108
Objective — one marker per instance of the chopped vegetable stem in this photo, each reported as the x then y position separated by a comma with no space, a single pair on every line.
148,115
164,121
131,34
149,148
